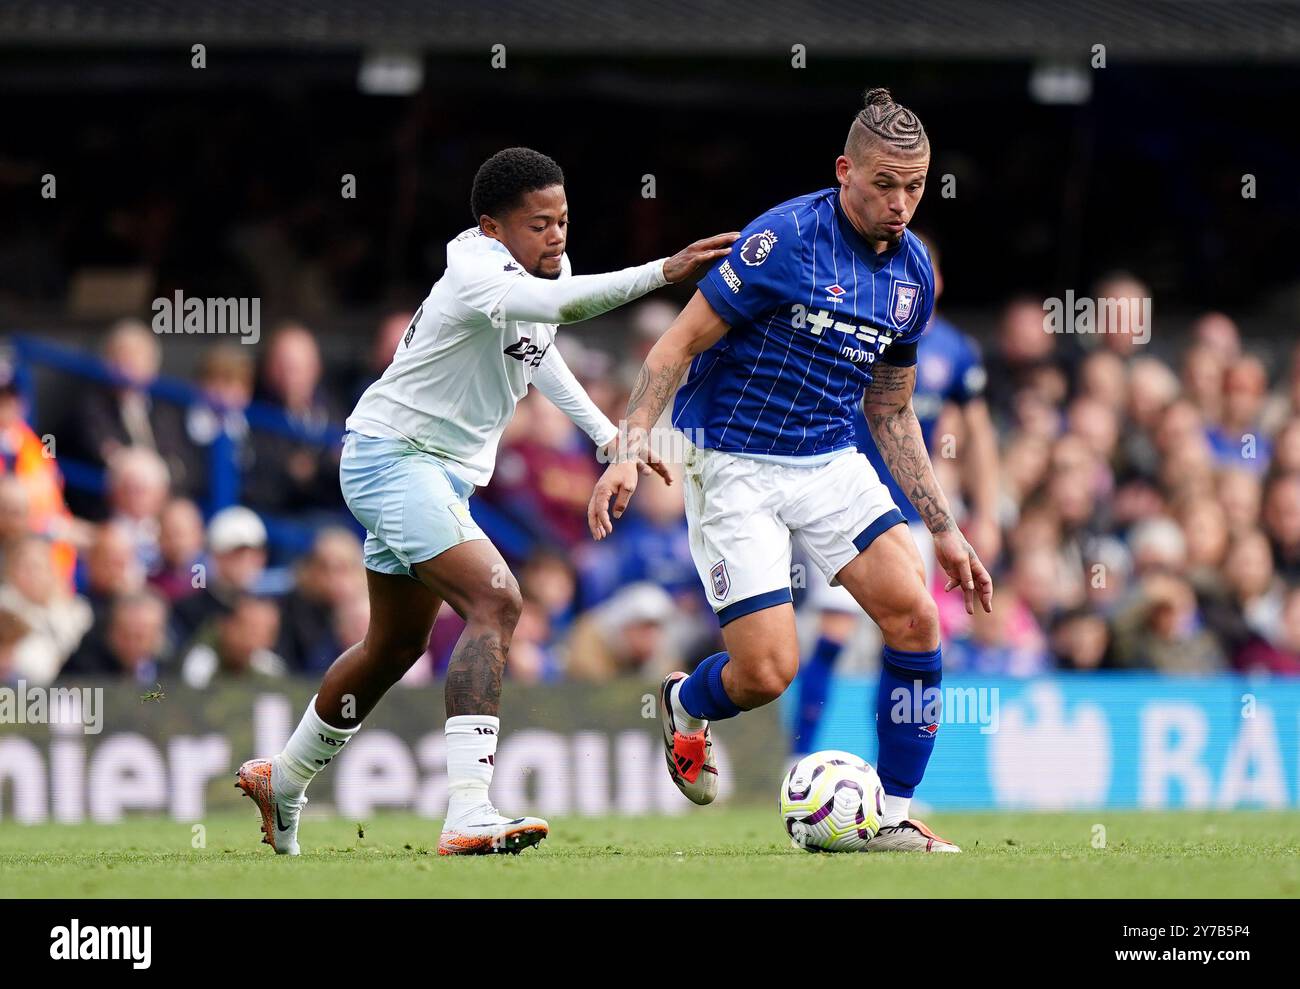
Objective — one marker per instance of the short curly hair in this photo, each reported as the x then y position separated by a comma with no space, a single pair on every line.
503,179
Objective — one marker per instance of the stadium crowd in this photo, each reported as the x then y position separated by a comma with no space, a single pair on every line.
1149,515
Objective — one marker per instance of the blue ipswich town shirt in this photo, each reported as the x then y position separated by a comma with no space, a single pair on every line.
811,307
948,369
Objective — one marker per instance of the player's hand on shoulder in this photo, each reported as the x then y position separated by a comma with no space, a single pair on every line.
618,482
964,569
698,257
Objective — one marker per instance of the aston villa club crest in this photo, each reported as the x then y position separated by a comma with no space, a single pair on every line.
756,248
719,580
903,303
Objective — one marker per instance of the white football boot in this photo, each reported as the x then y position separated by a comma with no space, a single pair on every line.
689,753
483,830
279,814
909,836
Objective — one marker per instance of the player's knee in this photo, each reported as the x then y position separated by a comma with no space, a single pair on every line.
499,608
912,624
763,683
398,652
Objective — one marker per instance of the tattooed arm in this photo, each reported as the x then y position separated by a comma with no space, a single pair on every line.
894,427
694,331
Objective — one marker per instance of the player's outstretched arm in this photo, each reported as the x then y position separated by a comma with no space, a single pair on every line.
696,329
894,427
571,300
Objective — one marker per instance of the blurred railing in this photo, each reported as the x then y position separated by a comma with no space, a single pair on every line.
224,476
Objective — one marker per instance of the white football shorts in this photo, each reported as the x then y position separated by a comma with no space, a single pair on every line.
743,513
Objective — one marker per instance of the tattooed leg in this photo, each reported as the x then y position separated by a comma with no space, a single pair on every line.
477,583
474,673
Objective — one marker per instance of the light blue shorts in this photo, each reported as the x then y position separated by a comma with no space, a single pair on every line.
412,504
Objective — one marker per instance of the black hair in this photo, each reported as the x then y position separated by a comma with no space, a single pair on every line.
503,179
884,120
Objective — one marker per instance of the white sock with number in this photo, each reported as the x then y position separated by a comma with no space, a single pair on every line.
471,752
309,750
896,810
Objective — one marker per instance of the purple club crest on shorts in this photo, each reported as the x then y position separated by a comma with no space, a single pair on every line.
719,580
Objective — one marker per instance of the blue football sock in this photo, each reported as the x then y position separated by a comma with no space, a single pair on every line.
907,717
702,693
814,684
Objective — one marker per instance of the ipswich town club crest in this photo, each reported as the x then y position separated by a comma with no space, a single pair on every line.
903,302
757,247
719,580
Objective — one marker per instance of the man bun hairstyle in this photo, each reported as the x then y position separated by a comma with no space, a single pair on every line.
505,178
885,122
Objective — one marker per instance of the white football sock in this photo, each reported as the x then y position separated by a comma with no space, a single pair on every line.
896,810
309,750
683,718
471,752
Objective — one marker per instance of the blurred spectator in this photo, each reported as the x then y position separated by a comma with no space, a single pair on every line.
286,474
112,571
1279,653
12,632
547,578
23,455
650,543
1241,495
180,546
1124,323
1005,642
545,471
235,562
531,658
625,636
107,419
225,380
138,486
1080,640
133,645
14,513
55,619
1024,361
1281,517
329,577
361,374
1163,630
1248,599
1218,334
242,646
1237,439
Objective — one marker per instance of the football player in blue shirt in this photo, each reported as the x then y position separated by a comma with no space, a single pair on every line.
820,301
949,376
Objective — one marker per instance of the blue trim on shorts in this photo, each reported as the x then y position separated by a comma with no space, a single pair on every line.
768,599
868,535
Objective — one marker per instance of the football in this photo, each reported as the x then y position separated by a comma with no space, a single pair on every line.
832,801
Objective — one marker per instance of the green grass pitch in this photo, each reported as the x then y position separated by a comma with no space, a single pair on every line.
722,852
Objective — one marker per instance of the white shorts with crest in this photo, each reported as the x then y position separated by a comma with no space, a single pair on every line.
744,516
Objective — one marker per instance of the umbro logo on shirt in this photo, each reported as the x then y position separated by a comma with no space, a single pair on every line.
511,266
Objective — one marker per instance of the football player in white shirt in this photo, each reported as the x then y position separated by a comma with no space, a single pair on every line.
419,441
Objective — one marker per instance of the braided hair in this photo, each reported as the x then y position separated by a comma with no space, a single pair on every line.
882,121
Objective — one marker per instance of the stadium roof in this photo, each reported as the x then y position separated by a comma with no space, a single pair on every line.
1032,29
